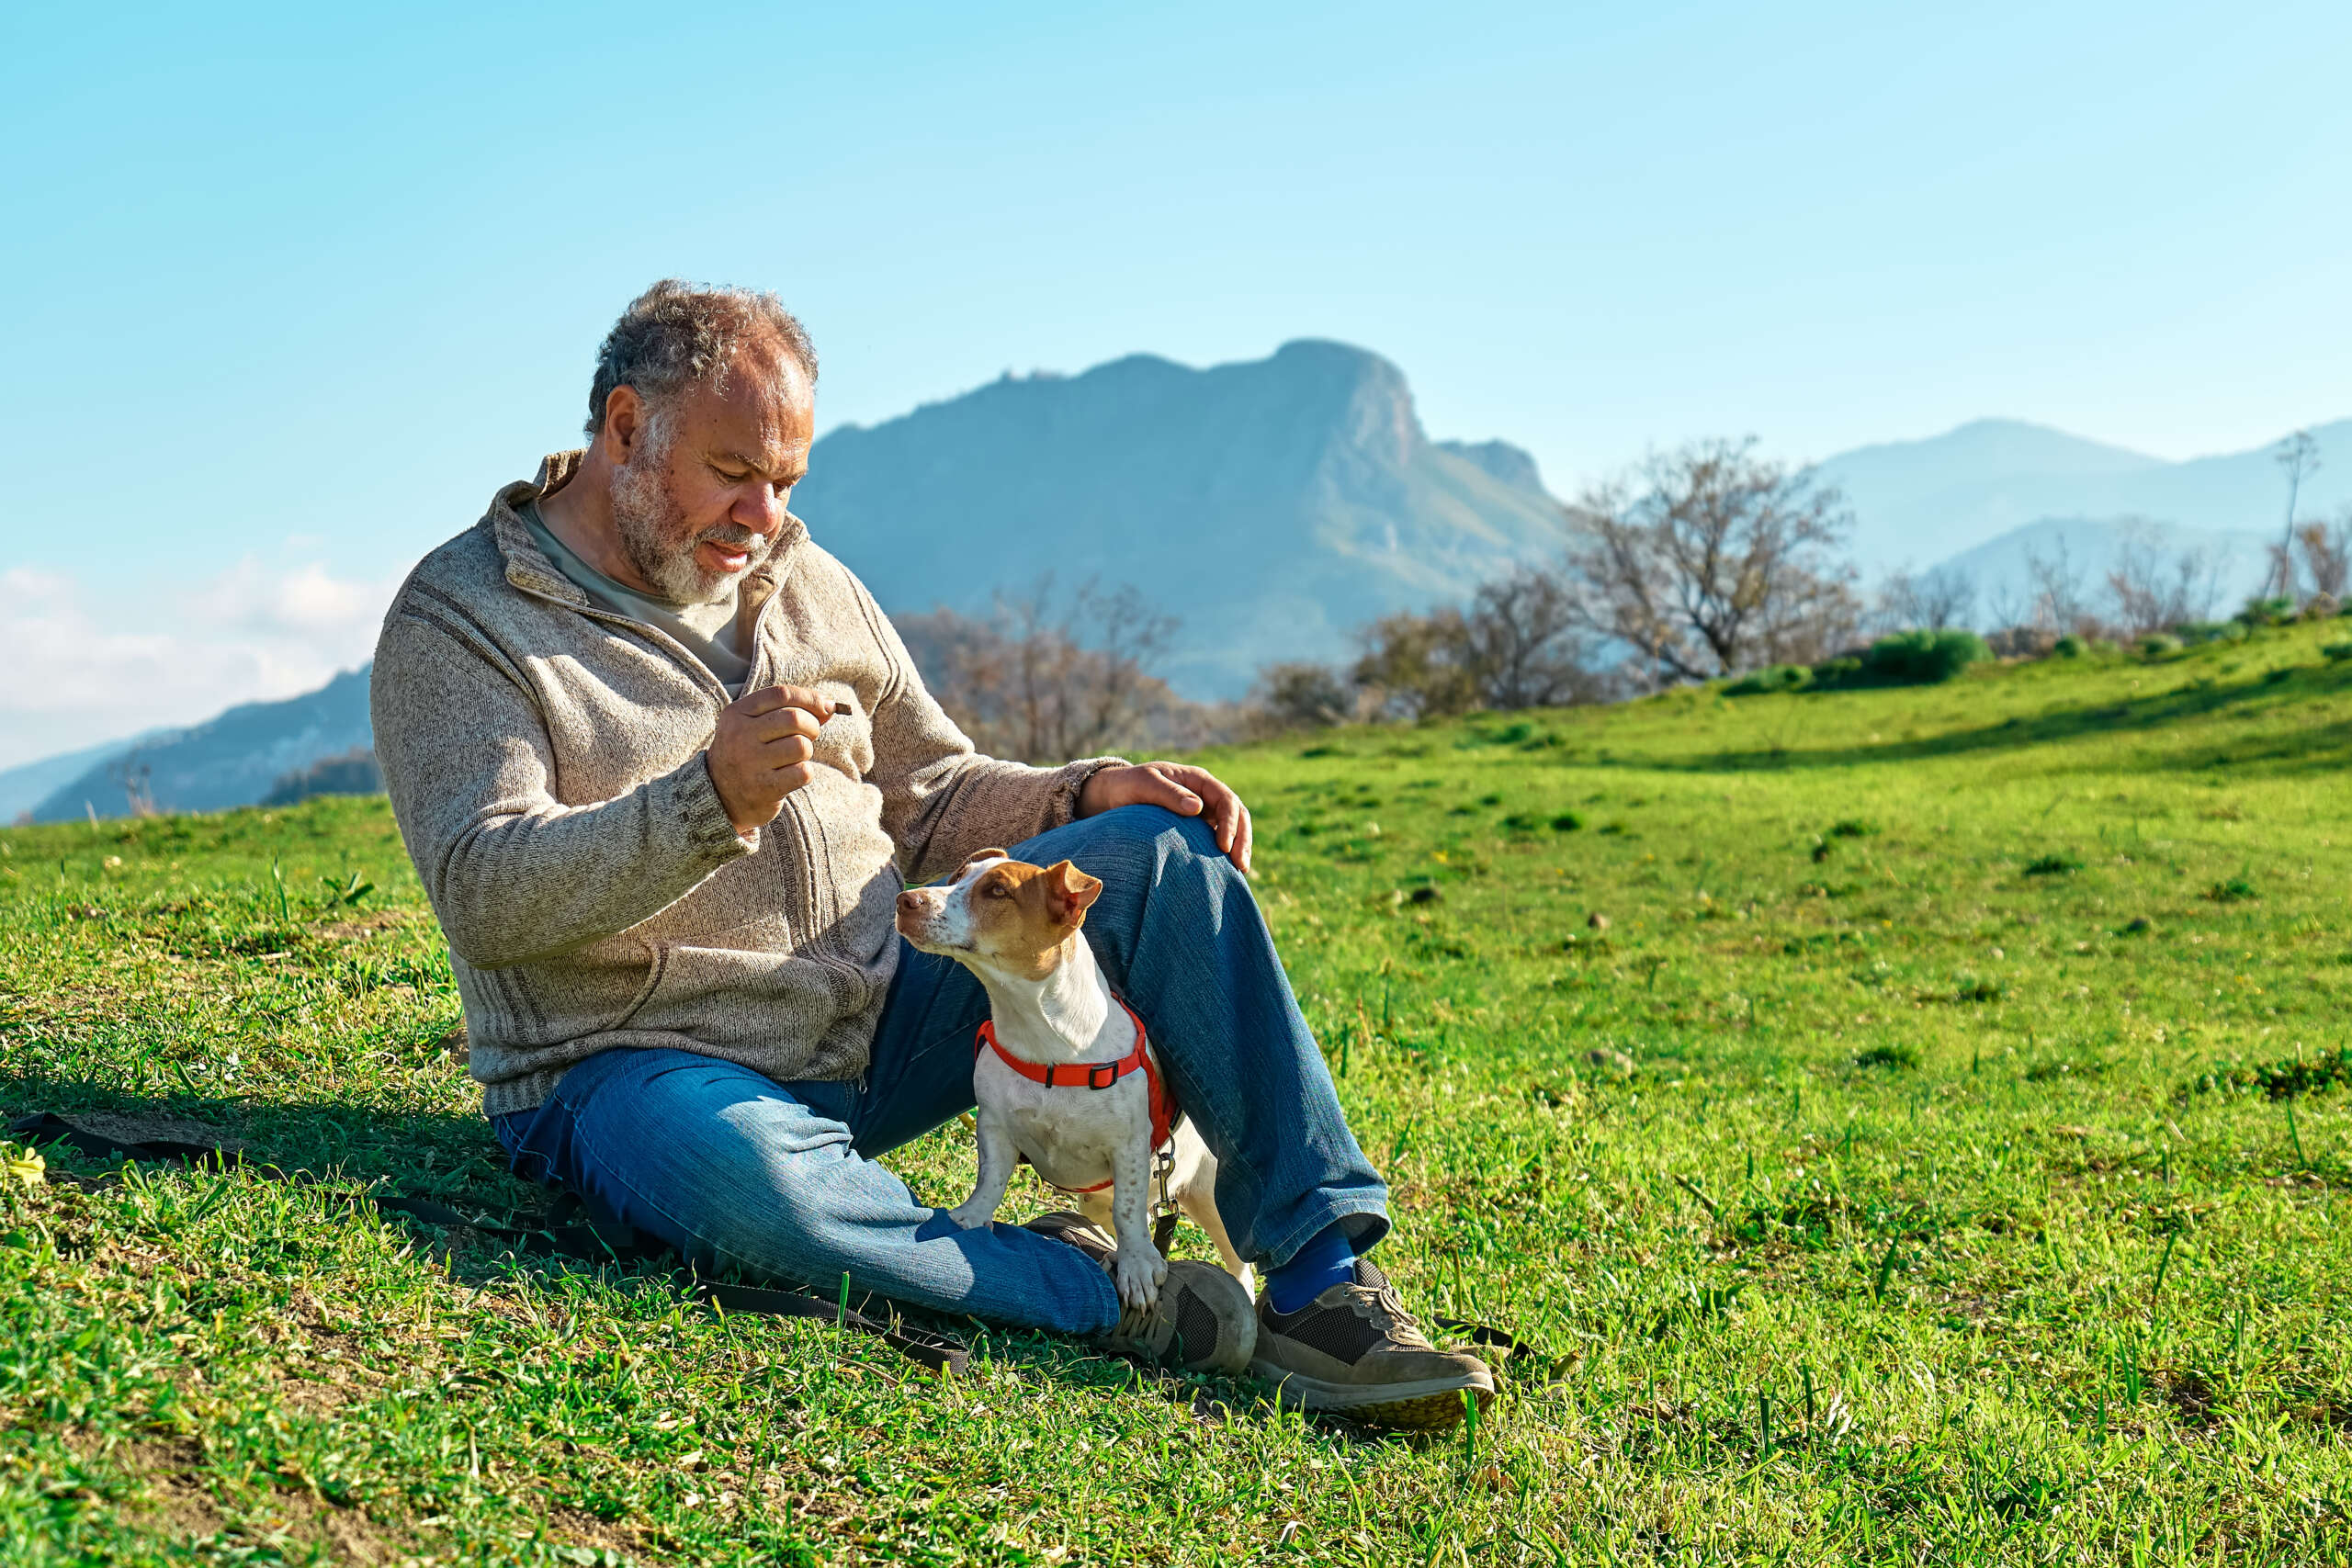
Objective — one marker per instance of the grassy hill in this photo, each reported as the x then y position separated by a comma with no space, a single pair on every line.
1861,1104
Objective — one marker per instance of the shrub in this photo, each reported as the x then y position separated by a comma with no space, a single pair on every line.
1566,822
2266,612
2022,642
1839,671
1924,657
2070,647
2338,652
2197,632
1897,1055
2157,645
1762,683
2054,865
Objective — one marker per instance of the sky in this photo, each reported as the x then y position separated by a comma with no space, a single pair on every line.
292,289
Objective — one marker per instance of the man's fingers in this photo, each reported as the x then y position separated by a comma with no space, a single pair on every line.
771,699
786,751
777,723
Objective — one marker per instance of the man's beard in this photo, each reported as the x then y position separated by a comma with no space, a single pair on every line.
653,530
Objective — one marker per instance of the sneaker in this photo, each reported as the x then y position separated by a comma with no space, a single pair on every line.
1354,1351
1201,1321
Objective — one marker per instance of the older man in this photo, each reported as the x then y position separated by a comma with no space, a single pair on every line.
663,766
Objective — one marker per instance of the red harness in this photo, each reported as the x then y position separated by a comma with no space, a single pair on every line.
1094,1074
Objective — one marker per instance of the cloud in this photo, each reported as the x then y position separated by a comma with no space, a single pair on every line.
79,666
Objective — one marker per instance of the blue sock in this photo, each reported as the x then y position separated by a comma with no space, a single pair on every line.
1326,1261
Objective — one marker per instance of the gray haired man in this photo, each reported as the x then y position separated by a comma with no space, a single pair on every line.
663,767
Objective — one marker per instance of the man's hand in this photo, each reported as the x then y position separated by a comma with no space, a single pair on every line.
1186,791
761,752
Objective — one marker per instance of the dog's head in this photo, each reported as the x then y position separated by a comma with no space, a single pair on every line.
999,913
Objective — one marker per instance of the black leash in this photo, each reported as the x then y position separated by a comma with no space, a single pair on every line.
567,1230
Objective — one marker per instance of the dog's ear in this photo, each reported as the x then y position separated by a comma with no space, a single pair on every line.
974,858
1073,892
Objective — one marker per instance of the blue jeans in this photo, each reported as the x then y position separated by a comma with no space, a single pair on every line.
778,1181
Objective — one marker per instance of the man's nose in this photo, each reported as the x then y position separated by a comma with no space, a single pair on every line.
761,509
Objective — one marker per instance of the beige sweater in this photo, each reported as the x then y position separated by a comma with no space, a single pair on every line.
544,761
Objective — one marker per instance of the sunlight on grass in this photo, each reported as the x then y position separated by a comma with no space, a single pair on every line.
1899,1125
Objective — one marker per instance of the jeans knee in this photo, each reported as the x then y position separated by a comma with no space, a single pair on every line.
1157,837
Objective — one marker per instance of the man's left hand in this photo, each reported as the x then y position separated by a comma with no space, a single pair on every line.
1187,791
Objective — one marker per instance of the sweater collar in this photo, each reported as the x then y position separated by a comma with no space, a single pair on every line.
527,566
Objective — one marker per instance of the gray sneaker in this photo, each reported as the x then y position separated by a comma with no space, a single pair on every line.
1354,1351
1202,1320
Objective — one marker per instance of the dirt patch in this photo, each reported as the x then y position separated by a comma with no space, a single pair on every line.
361,927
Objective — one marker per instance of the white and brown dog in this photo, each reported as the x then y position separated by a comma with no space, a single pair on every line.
1063,1073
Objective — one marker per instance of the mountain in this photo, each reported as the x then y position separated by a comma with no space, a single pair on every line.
23,786
1920,502
230,760
1271,505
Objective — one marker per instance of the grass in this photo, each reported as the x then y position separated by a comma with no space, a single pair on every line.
1860,1197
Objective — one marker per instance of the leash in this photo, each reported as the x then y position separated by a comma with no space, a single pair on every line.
567,1230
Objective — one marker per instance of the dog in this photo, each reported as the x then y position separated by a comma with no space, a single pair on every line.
1063,1072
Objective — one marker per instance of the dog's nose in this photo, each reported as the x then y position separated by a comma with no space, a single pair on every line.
908,903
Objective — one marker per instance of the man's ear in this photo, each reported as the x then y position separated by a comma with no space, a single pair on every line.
974,858
624,424
1074,891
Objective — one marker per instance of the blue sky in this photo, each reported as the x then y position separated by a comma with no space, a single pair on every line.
293,288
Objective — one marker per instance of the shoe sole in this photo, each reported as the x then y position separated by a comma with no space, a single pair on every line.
1430,1405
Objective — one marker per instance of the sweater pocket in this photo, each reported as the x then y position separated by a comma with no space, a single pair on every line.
747,995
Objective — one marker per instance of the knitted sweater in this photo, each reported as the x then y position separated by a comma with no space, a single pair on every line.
544,761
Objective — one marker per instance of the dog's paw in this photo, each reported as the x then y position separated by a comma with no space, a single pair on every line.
1138,1275
969,1218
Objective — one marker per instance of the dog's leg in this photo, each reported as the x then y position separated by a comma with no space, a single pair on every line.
1193,1185
1138,1266
997,1157
1095,1206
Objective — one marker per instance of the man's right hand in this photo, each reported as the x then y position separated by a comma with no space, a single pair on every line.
762,750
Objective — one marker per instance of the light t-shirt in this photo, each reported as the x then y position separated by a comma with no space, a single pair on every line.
707,631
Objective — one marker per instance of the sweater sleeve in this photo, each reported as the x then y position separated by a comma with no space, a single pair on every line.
941,799
513,873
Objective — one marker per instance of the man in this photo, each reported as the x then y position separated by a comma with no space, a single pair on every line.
663,767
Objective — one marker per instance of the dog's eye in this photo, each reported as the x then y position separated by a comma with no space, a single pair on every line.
997,890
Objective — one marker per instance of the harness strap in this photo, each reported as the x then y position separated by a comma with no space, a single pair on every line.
1095,1075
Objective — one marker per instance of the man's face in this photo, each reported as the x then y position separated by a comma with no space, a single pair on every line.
699,499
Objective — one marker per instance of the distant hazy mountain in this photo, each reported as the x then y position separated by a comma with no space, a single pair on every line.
230,760
23,786
1923,502
1272,506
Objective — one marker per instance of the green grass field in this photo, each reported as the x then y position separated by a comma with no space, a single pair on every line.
1862,1105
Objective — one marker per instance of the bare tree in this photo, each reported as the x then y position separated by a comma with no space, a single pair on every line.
1302,696
2326,552
1524,647
1044,678
1929,601
2299,456
1719,562
2009,607
1416,667
2150,594
2061,601
136,776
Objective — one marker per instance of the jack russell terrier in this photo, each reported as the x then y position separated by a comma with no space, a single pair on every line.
1062,1071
